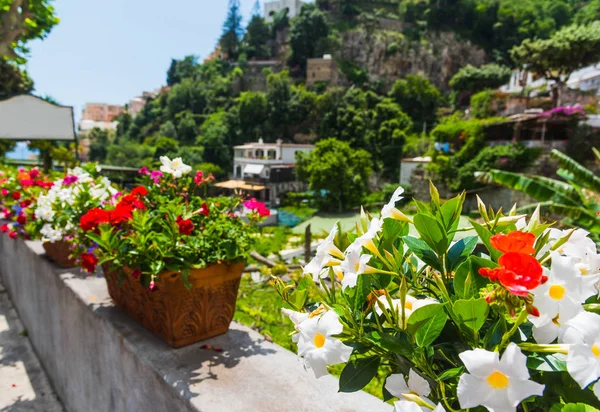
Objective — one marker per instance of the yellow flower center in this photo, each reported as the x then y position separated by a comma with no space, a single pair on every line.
596,350
319,340
584,271
555,320
497,380
557,292
356,267
408,305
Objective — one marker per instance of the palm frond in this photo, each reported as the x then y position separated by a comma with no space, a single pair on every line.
582,176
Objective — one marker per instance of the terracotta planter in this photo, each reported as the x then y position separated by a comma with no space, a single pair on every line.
178,315
59,252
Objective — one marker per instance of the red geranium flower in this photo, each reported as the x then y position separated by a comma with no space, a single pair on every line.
22,219
515,241
122,213
5,192
93,218
4,228
13,235
131,201
199,178
204,210
139,191
89,262
33,173
519,273
26,203
26,182
185,225
16,195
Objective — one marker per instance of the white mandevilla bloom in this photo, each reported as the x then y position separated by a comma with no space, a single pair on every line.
353,265
318,347
410,305
408,406
390,211
397,386
327,255
560,298
174,167
498,384
583,359
297,318
366,240
597,390
44,213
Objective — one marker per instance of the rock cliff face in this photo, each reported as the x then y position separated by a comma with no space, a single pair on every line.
387,55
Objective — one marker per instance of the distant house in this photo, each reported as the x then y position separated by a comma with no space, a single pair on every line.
586,79
274,7
322,70
266,170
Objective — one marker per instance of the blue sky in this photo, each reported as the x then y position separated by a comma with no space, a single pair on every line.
110,51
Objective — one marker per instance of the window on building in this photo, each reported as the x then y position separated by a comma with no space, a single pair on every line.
238,171
260,154
272,154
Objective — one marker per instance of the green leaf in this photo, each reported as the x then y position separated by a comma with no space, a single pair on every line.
582,176
472,313
485,235
573,407
298,298
451,373
460,251
451,211
429,332
395,344
423,251
431,232
362,290
358,373
422,315
554,362
392,230
467,280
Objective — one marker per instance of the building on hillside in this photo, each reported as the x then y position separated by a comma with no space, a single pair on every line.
323,69
217,54
275,6
137,103
586,79
101,112
266,170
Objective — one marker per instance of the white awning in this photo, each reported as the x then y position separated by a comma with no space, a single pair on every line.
253,169
26,117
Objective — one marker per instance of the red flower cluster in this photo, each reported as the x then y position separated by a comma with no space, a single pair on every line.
185,225
204,210
519,272
200,179
122,213
257,207
89,262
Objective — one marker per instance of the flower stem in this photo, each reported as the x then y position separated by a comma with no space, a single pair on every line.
504,342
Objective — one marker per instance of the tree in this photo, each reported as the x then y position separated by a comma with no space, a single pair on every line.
215,137
418,98
99,142
232,30
181,69
13,80
253,112
556,58
279,94
255,43
471,79
338,169
22,21
306,33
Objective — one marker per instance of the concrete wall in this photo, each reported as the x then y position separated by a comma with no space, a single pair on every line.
99,360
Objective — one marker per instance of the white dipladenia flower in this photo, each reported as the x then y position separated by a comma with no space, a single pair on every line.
174,167
353,265
44,213
559,299
366,240
498,384
397,386
318,347
327,255
410,305
297,318
583,359
597,390
390,210
408,406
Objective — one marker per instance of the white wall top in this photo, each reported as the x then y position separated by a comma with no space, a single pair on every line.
26,117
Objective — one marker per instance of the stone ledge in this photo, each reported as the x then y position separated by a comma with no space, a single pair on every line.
98,359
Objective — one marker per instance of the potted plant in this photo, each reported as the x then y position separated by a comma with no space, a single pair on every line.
54,219
172,259
19,190
512,328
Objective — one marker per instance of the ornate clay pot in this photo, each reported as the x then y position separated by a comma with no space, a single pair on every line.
178,315
59,252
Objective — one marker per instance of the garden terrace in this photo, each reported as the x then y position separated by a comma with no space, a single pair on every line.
99,359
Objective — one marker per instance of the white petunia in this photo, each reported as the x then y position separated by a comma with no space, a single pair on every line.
498,384
559,299
318,347
390,211
44,213
353,265
408,406
583,359
297,318
174,167
319,265
397,386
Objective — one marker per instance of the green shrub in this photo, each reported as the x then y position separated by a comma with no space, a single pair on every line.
481,104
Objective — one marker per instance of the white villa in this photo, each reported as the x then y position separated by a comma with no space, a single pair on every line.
266,170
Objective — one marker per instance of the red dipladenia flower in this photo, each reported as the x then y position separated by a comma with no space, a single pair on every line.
519,273
89,262
516,241
93,218
5,192
204,210
199,178
22,219
186,226
33,173
13,235
26,182
139,191
26,203
16,195
4,228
